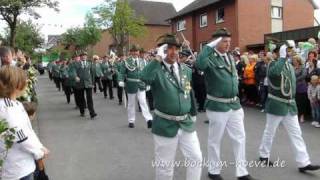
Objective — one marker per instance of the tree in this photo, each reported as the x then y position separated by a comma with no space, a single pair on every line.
28,36
90,34
83,37
10,10
121,21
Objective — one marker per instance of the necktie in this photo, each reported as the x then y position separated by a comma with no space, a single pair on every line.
171,70
226,60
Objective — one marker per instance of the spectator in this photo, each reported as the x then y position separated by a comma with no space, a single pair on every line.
313,94
6,56
312,65
249,81
20,160
260,72
302,87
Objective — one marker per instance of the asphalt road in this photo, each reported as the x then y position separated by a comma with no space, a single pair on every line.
106,149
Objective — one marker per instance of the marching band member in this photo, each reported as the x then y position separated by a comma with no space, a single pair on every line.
281,108
223,106
130,71
175,111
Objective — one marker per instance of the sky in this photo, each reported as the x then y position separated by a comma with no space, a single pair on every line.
72,13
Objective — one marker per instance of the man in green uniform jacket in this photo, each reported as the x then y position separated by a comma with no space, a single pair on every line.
130,73
56,74
97,72
84,79
281,107
223,106
108,71
175,111
118,64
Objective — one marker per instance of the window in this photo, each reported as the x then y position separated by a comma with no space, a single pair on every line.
202,44
276,12
181,25
220,15
203,20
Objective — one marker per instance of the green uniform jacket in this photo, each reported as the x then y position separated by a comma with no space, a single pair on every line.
170,97
129,71
107,70
96,70
221,79
85,75
49,66
277,70
71,74
56,70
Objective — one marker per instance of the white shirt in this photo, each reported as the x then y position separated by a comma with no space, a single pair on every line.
223,55
175,68
27,147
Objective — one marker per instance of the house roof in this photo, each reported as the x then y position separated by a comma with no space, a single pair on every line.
155,13
195,5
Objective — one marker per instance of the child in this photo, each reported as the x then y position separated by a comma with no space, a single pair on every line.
31,109
19,162
313,95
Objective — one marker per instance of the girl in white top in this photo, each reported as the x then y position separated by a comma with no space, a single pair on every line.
20,161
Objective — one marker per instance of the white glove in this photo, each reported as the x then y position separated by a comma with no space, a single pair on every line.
283,51
148,88
77,79
160,51
214,42
194,118
121,84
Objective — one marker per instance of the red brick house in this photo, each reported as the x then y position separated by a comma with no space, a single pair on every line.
155,15
248,20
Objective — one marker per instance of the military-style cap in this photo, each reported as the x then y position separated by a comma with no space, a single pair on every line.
185,52
134,48
142,50
169,39
222,32
83,53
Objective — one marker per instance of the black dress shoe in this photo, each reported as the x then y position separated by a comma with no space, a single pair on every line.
247,177
266,162
111,98
131,125
309,168
82,114
120,103
206,122
92,116
215,176
149,124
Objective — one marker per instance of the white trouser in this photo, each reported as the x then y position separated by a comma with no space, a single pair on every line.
165,151
291,123
232,121
141,95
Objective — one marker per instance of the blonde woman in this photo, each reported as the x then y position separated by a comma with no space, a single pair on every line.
19,163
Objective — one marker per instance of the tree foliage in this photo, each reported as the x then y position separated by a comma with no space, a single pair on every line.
82,38
10,10
28,36
121,21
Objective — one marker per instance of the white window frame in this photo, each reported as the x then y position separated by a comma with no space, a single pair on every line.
179,28
202,44
201,23
217,13
280,13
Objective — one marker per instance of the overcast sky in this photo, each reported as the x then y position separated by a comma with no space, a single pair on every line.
72,13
